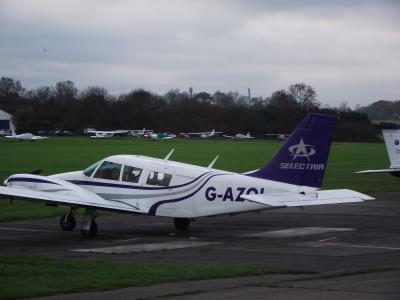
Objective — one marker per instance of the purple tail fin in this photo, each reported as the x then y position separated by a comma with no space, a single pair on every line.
302,159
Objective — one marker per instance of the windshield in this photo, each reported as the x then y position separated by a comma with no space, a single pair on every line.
89,171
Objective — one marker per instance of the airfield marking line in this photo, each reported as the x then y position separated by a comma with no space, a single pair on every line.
327,243
373,205
126,240
27,229
296,231
368,246
328,239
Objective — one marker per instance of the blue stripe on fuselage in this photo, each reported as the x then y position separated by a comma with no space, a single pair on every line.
153,208
27,179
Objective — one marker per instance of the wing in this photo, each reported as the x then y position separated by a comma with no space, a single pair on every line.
228,136
65,193
393,170
320,198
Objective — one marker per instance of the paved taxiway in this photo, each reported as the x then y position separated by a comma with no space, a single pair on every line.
324,239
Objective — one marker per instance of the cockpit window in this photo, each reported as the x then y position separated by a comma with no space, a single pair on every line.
159,178
131,174
89,171
108,170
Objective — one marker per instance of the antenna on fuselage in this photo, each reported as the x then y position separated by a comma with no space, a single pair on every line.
213,162
169,154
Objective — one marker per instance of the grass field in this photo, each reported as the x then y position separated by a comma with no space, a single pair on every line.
62,154
39,276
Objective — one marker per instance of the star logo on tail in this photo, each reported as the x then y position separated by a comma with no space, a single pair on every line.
302,150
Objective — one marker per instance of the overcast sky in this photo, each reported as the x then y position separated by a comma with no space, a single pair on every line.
347,50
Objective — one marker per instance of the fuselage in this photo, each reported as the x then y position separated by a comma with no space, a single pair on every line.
173,189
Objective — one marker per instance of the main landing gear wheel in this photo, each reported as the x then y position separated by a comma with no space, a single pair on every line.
92,232
182,224
67,221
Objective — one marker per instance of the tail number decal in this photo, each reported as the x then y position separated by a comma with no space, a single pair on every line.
231,194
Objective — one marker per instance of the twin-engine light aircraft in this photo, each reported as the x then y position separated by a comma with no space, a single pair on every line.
160,187
25,136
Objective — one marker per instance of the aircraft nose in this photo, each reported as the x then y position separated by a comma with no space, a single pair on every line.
5,181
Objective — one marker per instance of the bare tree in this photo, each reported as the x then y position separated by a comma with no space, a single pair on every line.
10,86
305,95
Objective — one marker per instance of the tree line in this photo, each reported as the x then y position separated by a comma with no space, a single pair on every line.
64,107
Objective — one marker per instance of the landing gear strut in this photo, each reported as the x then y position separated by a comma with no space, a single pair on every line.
88,225
67,221
181,224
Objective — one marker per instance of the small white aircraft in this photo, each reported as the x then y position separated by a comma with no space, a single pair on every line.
392,142
25,136
159,187
108,134
240,136
280,137
206,134
141,132
163,136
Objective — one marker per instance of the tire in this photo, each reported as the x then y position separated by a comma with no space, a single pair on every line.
181,224
67,221
92,232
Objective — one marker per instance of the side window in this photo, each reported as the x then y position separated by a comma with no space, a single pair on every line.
131,174
158,178
108,170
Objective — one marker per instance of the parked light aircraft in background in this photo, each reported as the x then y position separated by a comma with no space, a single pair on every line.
392,142
161,136
140,132
25,136
108,134
206,134
159,187
239,136
280,137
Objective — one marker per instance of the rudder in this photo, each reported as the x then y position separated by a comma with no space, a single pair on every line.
302,159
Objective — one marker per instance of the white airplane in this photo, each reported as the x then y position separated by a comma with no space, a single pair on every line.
25,136
206,134
392,142
137,184
140,132
163,136
280,137
239,136
108,134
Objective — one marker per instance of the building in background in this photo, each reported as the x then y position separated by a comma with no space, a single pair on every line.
5,121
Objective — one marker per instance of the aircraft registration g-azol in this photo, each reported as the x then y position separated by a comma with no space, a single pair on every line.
159,187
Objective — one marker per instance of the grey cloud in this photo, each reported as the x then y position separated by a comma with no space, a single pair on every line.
226,45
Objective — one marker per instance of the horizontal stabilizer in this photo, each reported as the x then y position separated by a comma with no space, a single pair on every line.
287,199
393,170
